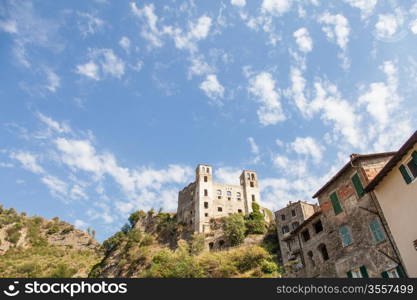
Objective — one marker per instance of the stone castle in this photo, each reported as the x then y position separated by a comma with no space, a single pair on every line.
203,199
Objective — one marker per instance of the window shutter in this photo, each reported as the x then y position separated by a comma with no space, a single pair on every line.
384,274
349,274
346,238
379,236
404,172
414,155
336,204
358,185
364,272
400,271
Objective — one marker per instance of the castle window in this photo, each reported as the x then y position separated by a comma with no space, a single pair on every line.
295,225
228,198
293,212
238,194
285,229
253,197
248,176
205,192
219,209
239,210
206,214
205,178
323,250
318,226
208,170
251,184
229,193
205,204
191,222
221,244
211,244
253,176
219,192
306,235
283,217
310,256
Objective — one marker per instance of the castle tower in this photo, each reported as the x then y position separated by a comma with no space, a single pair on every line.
249,183
204,197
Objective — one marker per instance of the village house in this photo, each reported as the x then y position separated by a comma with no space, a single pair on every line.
395,189
347,236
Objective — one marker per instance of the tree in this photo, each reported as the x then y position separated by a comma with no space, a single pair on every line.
234,229
255,222
196,243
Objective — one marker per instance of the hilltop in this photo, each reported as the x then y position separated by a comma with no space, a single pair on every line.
38,247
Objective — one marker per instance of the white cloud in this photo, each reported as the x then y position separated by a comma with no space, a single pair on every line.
212,87
89,69
111,64
276,7
366,6
253,146
303,39
262,86
125,43
8,26
309,147
227,175
54,125
388,25
199,67
240,3
80,224
57,187
28,160
413,26
337,28
53,80
89,24
298,84
150,31
381,98
334,109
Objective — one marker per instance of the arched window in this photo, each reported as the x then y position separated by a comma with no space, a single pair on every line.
253,176
229,193
310,257
219,192
323,250
221,244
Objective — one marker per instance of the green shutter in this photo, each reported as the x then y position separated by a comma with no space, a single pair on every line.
349,274
400,271
376,230
364,272
384,274
358,185
346,238
414,155
336,204
404,172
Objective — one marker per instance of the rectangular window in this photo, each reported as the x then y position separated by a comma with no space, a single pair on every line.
205,192
253,197
206,214
285,229
239,210
336,204
219,209
251,184
293,212
318,226
306,235
205,204
358,185
205,178
412,168
376,230
295,225
345,236
283,217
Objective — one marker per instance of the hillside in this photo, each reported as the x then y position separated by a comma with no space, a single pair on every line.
37,247
154,245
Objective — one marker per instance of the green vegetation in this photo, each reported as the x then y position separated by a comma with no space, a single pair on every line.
234,229
255,222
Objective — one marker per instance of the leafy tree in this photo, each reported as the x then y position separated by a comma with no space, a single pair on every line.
255,222
196,244
234,229
136,216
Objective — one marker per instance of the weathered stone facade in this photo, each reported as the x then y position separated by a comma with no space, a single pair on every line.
288,219
203,199
352,240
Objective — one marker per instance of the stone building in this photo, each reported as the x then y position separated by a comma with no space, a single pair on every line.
204,200
288,219
346,237
395,189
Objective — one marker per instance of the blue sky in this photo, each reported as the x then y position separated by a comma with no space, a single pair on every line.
107,106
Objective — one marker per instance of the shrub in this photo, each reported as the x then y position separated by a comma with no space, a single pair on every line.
67,229
63,271
29,269
113,241
196,244
269,267
136,216
234,229
53,229
13,233
255,222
